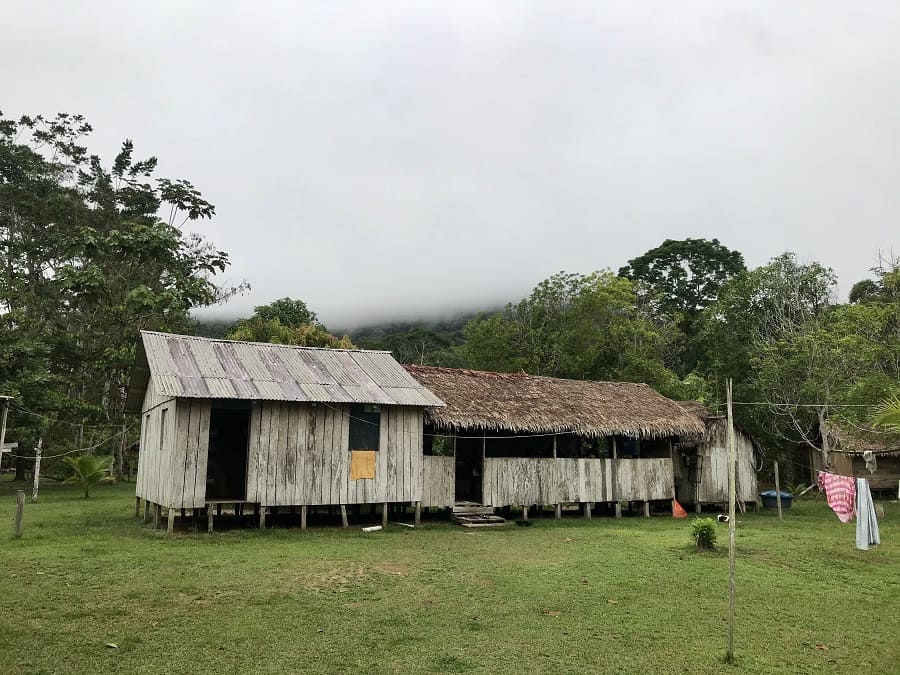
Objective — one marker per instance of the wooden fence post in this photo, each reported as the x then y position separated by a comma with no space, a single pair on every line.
778,491
20,512
37,470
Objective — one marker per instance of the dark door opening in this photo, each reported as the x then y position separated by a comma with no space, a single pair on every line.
469,470
226,466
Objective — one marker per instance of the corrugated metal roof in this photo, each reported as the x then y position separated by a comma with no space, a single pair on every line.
195,367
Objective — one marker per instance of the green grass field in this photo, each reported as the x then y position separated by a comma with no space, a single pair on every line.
575,596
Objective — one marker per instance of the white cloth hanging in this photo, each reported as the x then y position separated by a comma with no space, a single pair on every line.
866,521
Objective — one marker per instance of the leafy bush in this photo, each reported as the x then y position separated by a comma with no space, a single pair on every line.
796,488
703,532
88,471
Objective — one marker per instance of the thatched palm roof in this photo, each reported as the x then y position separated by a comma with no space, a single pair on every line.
520,403
855,439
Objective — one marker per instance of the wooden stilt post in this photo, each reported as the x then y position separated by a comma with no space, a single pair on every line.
344,521
525,512
384,515
171,528
209,519
146,511
20,513
303,518
137,507
587,510
417,518
558,510
618,509
646,509
778,491
732,489
262,517
157,516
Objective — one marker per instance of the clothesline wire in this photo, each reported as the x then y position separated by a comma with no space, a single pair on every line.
77,425
71,452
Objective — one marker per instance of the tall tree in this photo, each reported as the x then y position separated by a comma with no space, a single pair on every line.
87,262
583,327
286,321
679,279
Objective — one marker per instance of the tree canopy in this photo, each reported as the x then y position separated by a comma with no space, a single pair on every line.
88,261
288,322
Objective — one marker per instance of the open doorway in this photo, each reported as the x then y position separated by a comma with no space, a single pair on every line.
469,470
226,467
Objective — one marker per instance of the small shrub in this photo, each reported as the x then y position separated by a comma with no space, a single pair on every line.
88,471
703,532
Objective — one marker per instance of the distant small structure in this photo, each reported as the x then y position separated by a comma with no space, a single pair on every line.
861,451
701,469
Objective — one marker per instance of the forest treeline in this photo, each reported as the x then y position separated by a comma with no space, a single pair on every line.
95,252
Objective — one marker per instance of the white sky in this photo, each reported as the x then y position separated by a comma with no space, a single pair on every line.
389,160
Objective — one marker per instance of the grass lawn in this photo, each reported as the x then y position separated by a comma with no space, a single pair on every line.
574,596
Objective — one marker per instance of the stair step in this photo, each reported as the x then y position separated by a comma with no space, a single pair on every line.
479,520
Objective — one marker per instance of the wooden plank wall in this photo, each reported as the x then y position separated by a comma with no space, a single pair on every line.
714,474
439,481
156,447
299,455
520,480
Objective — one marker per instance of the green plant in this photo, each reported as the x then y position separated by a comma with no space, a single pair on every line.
703,532
88,471
888,414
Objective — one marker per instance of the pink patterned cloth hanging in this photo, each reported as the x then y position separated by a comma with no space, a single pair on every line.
841,494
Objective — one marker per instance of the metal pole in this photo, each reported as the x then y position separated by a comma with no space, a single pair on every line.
732,484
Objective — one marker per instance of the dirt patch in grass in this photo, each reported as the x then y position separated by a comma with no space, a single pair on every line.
337,576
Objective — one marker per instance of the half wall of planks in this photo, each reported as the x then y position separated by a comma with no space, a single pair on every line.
510,481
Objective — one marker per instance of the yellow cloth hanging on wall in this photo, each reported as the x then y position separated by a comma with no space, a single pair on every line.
362,464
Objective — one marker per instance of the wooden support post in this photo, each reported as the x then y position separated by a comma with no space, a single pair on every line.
525,512
303,518
618,509
384,515
587,510
778,491
157,516
171,528
37,470
137,507
20,513
417,518
698,507
146,511
344,521
558,511
262,517
646,509
732,490
209,517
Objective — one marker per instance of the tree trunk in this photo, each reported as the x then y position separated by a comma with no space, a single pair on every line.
826,443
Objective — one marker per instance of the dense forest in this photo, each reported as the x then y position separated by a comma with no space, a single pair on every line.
92,253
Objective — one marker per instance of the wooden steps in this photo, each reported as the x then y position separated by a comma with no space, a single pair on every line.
472,514
480,520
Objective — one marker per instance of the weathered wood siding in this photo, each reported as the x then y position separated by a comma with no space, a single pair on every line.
713,486
439,481
299,455
522,480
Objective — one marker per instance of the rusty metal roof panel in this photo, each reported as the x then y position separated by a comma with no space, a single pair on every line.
194,367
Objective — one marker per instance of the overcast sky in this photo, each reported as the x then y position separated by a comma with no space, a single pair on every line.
406,159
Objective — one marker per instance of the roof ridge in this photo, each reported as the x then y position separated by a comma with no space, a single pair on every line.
268,344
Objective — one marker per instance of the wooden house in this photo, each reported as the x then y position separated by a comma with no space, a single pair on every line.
273,426
701,469
862,452
505,439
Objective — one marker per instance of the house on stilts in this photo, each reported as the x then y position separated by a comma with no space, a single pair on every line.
272,426
860,451
512,439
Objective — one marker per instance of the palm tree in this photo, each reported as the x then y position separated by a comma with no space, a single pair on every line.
89,471
888,414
